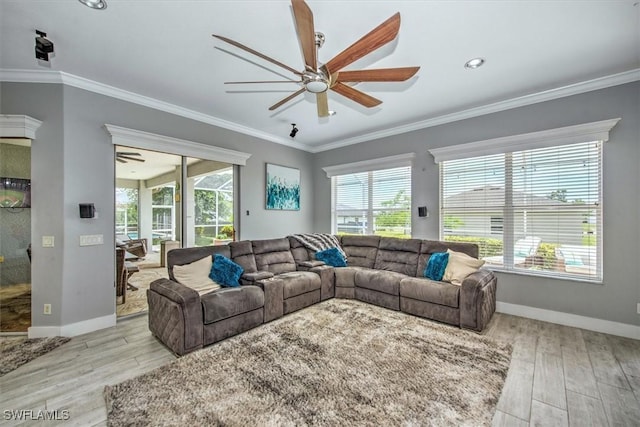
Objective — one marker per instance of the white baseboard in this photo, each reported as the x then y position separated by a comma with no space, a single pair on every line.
568,319
73,329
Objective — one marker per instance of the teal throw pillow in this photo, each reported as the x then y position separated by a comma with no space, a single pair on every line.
436,266
225,272
332,257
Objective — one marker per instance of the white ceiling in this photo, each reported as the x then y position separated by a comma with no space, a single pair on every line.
164,50
155,163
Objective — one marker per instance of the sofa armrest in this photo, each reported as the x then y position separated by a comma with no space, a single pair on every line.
273,298
175,291
327,281
477,299
255,278
175,315
306,265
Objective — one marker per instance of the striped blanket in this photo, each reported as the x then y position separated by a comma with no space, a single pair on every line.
319,242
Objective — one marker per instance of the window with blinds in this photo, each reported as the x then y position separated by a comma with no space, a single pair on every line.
374,202
535,211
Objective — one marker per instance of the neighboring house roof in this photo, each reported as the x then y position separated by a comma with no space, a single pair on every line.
494,196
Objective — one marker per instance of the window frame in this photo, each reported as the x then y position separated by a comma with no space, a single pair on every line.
368,166
588,132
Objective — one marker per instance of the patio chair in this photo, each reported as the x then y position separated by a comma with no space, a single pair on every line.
121,275
137,247
576,259
523,251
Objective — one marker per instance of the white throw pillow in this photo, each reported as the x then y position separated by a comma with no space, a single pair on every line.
460,265
196,275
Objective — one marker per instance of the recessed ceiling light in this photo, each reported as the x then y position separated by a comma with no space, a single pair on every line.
95,4
474,63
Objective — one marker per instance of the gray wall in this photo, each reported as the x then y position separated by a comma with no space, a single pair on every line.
616,298
73,162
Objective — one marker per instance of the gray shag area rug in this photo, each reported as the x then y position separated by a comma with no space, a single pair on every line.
16,352
337,363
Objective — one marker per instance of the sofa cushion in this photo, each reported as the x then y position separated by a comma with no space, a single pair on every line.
399,255
299,282
332,257
299,251
436,266
274,255
225,272
422,289
378,280
460,265
346,276
361,250
196,275
184,256
429,247
242,254
229,302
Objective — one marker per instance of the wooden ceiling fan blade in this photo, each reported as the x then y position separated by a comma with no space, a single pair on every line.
379,75
127,153
356,95
376,38
118,159
256,53
306,33
287,99
263,81
322,101
131,158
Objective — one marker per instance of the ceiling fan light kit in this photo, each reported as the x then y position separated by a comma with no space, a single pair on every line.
319,79
474,63
95,4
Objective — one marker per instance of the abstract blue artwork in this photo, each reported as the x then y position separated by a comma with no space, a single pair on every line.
283,188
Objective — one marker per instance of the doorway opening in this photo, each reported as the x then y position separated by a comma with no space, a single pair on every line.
15,235
165,201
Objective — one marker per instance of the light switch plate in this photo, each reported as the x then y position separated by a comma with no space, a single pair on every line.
48,241
91,240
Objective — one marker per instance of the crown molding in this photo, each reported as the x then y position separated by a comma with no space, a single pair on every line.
593,131
18,126
370,165
151,141
60,77
534,98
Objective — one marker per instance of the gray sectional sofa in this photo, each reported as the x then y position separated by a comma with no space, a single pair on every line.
282,276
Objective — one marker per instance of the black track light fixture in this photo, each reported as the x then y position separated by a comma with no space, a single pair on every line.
44,46
294,130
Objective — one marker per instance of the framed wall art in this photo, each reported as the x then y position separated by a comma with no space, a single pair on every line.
283,188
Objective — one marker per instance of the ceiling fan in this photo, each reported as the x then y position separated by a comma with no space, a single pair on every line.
318,79
123,156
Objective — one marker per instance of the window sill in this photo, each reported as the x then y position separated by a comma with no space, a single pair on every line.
544,274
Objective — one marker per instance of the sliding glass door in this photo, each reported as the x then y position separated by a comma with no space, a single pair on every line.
210,202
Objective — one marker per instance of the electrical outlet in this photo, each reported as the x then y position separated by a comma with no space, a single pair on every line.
638,308
47,309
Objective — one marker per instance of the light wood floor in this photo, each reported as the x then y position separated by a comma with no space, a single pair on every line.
559,375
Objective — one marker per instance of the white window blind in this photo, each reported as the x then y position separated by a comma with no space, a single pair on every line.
374,202
536,211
